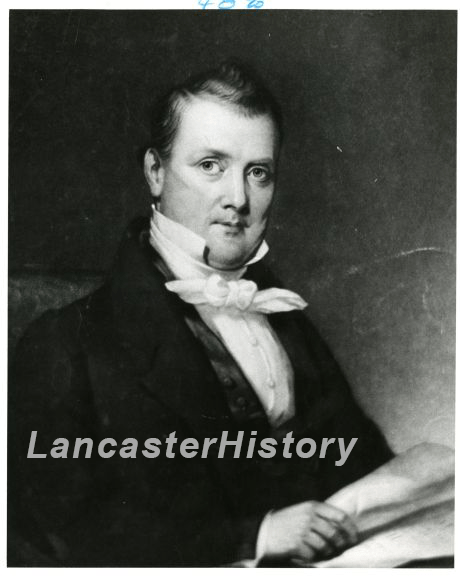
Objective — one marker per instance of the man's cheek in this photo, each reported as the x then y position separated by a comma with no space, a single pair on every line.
256,231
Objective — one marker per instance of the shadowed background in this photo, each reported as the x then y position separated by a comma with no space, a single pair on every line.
364,224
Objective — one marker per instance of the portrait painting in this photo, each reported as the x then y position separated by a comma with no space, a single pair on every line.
222,222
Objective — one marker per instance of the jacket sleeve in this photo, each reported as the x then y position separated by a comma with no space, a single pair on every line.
90,511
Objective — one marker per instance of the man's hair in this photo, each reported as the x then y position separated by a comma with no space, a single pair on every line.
232,83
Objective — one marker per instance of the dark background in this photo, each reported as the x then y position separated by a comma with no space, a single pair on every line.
364,224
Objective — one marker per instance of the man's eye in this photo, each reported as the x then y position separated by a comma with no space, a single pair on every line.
260,174
210,167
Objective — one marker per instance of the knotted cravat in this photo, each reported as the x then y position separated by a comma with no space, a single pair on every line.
240,294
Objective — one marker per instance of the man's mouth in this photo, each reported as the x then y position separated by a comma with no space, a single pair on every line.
232,223
232,229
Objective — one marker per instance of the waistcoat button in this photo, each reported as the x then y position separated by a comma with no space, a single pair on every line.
241,402
228,382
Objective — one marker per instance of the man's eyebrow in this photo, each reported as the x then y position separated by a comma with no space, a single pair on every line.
203,152
267,161
211,152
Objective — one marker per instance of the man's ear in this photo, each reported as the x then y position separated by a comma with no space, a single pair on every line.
154,172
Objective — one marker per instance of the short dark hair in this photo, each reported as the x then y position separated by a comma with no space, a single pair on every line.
232,82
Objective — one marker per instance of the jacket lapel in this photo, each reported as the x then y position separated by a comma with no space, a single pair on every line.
150,321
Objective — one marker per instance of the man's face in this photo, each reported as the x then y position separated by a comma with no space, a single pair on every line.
220,178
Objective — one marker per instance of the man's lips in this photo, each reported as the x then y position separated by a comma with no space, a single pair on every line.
233,223
230,228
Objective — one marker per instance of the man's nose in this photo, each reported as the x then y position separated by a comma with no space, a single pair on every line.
236,192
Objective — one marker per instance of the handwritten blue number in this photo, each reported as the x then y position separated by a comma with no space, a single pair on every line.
256,4
204,3
227,4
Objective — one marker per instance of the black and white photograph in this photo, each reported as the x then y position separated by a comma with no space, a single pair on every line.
231,287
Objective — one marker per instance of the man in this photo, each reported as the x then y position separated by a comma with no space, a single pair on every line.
190,335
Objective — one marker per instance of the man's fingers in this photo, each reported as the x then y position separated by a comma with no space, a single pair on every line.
350,528
319,544
308,531
330,532
304,554
330,512
340,518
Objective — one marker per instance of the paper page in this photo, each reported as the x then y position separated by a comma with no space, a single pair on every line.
404,510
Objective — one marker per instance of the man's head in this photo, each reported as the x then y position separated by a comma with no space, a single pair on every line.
213,161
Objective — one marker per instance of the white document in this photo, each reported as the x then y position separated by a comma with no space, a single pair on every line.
403,511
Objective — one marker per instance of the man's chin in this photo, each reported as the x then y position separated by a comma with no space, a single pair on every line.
225,257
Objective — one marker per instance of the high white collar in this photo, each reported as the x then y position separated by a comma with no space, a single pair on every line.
182,250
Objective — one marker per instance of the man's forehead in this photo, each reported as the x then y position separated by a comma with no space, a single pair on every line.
206,121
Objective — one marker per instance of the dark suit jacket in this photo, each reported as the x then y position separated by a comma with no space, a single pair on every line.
122,363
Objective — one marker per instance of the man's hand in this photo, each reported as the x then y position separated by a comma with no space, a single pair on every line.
308,532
